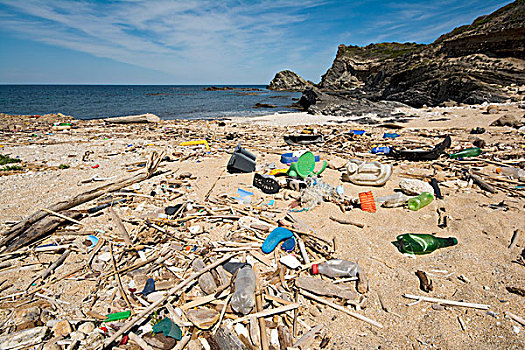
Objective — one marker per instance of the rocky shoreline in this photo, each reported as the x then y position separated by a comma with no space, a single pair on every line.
478,63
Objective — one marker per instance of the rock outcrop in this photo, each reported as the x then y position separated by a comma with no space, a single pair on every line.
287,80
472,64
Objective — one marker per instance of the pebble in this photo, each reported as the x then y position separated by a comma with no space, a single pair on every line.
203,318
159,341
62,328
77,335
438,307
105,256
51,346
28,314
153,297
86,327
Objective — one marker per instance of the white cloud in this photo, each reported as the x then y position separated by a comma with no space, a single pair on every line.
179,38
235,41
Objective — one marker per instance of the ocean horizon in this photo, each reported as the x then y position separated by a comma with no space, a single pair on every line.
85,101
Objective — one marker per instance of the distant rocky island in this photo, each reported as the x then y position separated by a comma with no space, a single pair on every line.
476,63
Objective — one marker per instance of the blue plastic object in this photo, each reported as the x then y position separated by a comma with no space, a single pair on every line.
93,240
288,158
384,150
277,235
357,132
390,135
149,287
288,245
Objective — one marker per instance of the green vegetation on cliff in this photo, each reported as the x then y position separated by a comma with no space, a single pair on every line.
381,51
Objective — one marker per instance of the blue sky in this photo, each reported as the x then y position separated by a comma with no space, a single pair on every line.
205,41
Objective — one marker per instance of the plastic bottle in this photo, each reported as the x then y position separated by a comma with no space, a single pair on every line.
394,200
243,299
418,243
468,152
336,268
206,280
343,268
512,172
424,199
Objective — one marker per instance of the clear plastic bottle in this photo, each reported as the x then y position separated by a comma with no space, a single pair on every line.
206,280
343,268
394,200
337,268
512,172
243,299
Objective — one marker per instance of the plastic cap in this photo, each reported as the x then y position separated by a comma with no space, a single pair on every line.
315,269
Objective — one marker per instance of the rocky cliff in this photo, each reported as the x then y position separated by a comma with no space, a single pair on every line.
471,64
287,80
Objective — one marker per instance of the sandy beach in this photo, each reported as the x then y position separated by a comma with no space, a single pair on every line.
480,269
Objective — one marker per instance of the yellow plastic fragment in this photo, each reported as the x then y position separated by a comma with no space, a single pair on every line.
196,142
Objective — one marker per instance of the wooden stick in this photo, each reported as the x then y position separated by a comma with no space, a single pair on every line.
302,249
223,311
183,342
516,318
447,302
270,312
213,186
263,337
119,282
202,300
278,300
308,337
13,232
346,222
514,238
340,308
63,216
120,226
171,292
54,265
261,258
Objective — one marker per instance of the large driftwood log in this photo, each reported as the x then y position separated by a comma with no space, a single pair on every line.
40,229
141,118
19,229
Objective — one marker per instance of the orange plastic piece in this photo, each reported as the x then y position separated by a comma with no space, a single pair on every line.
367,202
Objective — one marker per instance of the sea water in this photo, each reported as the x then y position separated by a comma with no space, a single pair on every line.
166,101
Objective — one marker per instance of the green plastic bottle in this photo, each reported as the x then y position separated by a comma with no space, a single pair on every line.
418,243
424,199
468,152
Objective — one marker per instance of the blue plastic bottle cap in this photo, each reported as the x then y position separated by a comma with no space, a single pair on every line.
288,245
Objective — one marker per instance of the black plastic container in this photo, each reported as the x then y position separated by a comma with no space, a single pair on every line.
241,161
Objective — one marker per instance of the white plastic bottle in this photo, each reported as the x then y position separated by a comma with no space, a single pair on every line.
243,299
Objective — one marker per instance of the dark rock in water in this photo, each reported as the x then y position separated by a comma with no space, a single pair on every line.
287,80
508,120
469,65
264,105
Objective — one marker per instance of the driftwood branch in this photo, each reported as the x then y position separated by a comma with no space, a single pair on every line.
15,231
159,302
